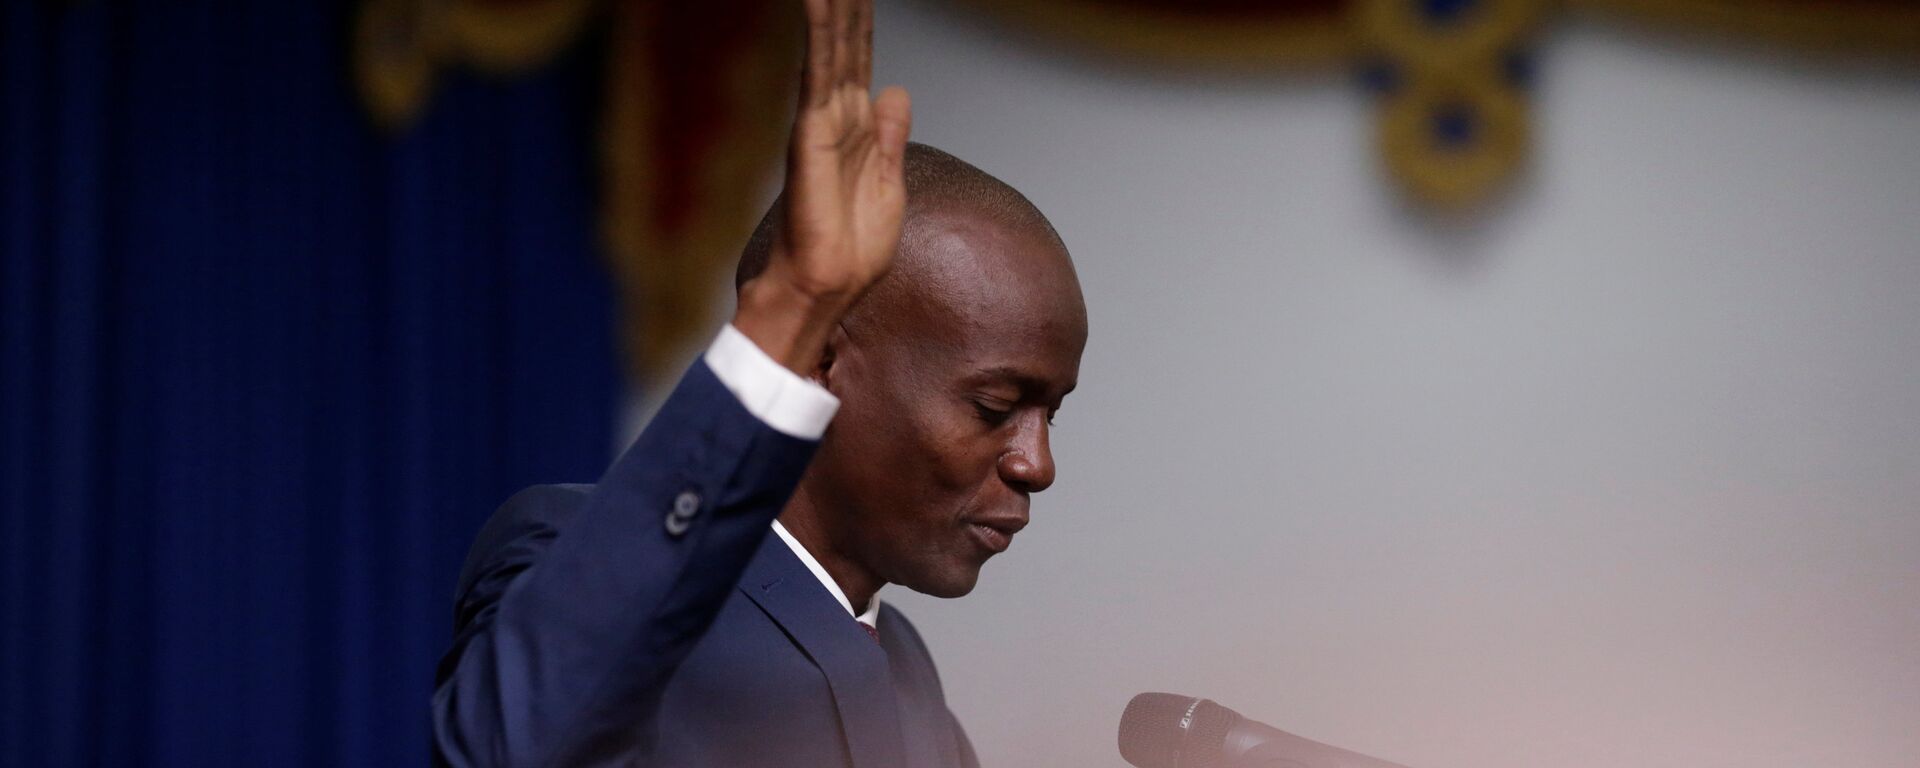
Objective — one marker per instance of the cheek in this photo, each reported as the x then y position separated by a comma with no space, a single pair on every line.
889,452
937,459
906,451
960,447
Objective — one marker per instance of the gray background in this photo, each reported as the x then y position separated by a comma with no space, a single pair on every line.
1627,473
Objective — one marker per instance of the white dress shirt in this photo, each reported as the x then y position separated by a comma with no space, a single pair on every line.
795,406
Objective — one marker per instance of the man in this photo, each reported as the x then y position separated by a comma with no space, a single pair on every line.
664,617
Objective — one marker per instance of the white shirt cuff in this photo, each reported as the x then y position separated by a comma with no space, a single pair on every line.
774,395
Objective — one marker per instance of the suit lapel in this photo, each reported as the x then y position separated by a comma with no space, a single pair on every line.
855,667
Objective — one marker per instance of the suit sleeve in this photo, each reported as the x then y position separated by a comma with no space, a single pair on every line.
578,603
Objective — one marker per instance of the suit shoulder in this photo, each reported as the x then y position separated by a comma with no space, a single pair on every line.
522,526
904,638
920,681
534,509
551,504
895,618
896,624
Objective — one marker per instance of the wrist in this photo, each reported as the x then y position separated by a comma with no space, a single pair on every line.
791,325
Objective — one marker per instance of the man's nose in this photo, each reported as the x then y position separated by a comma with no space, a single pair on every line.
1027,464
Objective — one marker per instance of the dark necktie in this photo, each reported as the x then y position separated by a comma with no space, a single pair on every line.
871,632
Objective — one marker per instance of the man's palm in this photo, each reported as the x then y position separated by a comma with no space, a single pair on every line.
845,193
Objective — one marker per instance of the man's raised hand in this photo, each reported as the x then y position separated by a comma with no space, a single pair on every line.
845,194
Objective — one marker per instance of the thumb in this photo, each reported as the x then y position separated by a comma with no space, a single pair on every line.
893,120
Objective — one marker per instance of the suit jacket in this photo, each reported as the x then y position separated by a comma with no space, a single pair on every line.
653,620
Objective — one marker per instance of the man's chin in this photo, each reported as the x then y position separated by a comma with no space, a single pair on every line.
956,583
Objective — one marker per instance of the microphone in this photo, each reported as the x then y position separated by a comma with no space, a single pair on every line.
1165,730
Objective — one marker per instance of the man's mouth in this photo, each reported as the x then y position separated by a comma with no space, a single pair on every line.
995,534
989,538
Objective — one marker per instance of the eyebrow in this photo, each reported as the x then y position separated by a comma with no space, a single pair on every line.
1027,382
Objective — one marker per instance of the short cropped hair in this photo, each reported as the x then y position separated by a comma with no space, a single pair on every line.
934,179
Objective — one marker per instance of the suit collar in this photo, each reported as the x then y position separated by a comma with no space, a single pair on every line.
856,669
871,618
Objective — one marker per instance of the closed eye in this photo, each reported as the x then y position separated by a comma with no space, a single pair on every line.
991,411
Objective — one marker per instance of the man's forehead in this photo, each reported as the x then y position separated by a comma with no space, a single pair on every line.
958,247
971,277
992,294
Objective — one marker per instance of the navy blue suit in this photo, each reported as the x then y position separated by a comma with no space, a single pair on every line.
652,620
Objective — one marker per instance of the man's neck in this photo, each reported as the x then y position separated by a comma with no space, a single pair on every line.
802,521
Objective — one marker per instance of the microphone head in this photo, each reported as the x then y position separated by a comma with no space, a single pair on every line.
1165,730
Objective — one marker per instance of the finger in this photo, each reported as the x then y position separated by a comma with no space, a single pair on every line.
893,121
817,80
843,11
863,42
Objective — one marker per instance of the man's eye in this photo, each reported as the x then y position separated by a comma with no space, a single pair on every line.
991,413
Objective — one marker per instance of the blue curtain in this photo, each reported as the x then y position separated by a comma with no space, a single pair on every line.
265,371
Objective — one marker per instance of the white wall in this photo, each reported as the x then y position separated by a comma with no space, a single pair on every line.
1627,474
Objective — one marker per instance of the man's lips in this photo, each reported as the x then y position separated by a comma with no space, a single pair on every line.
995,533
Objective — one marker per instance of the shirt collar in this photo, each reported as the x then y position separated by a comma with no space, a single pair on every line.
871,618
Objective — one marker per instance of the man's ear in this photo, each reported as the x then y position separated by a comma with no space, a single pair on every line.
836,343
